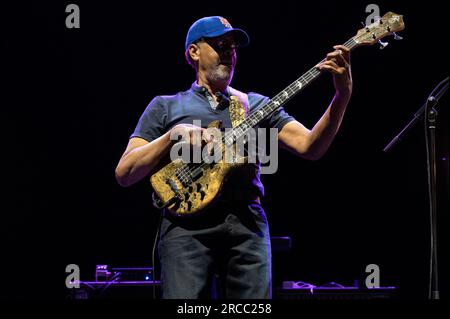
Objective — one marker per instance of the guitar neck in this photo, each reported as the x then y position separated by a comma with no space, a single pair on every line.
277,101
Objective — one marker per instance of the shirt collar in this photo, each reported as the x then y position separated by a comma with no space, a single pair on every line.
201,89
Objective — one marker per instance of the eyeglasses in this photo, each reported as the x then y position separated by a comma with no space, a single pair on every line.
220,45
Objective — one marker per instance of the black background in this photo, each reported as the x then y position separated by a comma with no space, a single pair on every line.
71,98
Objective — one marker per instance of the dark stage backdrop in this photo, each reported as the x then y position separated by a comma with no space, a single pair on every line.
71,98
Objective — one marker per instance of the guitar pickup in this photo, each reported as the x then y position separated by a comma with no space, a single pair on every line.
174,188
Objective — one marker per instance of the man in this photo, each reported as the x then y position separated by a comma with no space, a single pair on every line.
231,239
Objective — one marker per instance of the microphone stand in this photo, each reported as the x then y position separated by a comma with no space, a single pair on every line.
430,127
430,130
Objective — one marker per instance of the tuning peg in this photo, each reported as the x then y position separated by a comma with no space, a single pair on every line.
365,26
382,44
397,37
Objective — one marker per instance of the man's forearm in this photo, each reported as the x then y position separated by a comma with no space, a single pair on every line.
323,133
140,161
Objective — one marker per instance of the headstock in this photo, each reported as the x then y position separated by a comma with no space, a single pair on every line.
389,24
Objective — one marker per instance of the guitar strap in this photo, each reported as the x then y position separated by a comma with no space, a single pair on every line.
238,107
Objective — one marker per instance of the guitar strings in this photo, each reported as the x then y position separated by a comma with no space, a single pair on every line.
186,172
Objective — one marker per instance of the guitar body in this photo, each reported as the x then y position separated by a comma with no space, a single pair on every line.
203,191
187,190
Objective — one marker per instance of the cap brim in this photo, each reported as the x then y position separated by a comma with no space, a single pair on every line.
241,36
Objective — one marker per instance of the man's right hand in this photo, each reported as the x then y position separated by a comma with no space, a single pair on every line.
192,134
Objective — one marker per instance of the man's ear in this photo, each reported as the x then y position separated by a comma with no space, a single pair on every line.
193,50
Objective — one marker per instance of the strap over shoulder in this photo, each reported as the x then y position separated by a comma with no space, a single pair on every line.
239,106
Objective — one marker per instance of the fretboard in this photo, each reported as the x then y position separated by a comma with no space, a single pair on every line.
276,102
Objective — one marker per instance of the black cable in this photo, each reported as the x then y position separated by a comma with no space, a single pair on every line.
112,280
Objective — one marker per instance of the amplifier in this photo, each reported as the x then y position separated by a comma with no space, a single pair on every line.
103,273
133,274
118,282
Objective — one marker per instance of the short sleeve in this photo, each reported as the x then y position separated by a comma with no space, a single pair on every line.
277,119
152,123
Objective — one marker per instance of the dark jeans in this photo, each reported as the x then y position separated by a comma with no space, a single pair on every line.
224,253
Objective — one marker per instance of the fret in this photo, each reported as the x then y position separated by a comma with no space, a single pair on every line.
278,100
229,140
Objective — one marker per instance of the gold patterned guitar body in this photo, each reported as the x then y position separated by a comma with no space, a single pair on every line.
185,191
185,194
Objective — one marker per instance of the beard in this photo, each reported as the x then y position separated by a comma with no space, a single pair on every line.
221,74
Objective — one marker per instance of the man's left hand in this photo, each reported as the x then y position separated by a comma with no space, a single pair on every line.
338,63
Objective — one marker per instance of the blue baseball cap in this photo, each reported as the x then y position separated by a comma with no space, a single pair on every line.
209,27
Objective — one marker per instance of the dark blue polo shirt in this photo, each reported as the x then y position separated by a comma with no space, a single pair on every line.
164,112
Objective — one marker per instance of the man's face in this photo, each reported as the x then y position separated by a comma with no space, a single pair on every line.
217,58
